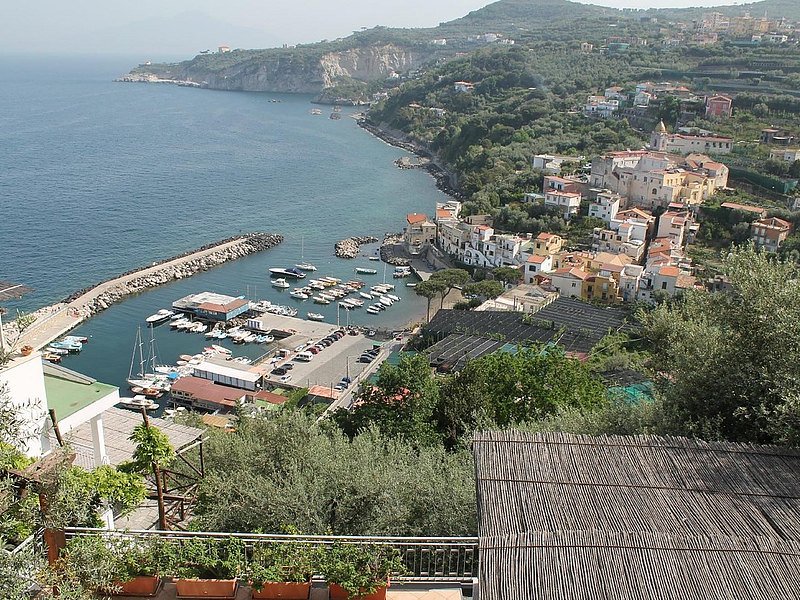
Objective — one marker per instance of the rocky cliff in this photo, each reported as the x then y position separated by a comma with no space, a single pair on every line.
301,70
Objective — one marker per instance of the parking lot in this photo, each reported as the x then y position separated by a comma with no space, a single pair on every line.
329,365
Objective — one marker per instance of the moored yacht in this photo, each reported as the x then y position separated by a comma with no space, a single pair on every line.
281,283
315,317
292,272
159,317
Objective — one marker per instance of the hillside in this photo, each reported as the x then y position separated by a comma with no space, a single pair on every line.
360,63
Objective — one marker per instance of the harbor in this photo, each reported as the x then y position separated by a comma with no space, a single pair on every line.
54,321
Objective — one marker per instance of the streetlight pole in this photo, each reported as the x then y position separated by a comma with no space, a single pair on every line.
338,306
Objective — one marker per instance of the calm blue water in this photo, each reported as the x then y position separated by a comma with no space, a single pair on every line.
99,177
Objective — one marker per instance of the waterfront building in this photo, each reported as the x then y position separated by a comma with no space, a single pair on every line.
204,394
212,306
232,374
419,232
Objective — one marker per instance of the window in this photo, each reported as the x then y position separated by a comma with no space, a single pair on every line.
655,191
663,285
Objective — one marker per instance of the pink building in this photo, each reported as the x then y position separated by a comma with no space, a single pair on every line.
719,106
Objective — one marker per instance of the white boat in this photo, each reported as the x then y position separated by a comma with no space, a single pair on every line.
365,295
315,317
373,311
178,322
299,295
392,297
138,402
177,315
199,327
292,272
385,301
366,271
411,285
220,349
281,283
159,317
184,325
321,300
58,351
374,257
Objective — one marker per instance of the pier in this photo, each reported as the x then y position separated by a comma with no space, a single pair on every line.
56,320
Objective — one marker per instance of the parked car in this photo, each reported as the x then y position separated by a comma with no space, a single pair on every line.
287,366
313,350
285,378
279,371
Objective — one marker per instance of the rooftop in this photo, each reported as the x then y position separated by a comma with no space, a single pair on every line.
635,517
67,395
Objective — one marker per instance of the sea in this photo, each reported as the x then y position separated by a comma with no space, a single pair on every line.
98,178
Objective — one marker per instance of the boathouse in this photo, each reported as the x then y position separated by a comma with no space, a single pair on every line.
205,394
211,306
230,374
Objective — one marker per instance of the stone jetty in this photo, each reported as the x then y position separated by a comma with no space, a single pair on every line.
348,248
57,320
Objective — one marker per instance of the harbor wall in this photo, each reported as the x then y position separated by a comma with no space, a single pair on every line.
76,308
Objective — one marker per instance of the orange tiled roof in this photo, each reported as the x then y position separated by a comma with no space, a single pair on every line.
414,218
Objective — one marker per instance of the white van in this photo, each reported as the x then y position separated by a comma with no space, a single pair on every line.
304,356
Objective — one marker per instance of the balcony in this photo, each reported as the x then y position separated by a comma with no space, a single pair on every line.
436,567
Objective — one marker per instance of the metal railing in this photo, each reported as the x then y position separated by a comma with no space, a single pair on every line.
33,542
426,558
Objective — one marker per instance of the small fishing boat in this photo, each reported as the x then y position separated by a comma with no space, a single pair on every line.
53,358
138,402
373,311
365,295
385,301
81,339
411,285
199,328
315,316
220,349
67,345
159,317
299,295
281,283
176,324
392,297
374,257
366,271
306,266
59,351
321,300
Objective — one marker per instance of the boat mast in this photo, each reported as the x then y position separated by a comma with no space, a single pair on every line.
152,357
133,353
384,272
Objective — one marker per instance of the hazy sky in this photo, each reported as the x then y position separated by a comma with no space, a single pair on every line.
186,26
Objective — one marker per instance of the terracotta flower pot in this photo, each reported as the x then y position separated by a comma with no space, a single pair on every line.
337,592
206,588
286,591
142,586
26,350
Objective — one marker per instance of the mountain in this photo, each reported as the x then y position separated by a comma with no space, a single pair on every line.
510,15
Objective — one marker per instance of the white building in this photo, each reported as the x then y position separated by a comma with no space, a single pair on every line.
537,265
600,106
788,155
463,87
605,206
34,388
679,143
550,164
567,202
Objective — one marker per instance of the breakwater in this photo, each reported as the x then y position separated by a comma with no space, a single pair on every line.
348,248
444,179
76,308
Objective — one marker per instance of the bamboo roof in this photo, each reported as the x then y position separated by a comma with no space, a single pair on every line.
567,516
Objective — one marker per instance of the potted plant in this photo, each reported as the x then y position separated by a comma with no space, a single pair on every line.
206,568
111,565
26,350
360,571
282,570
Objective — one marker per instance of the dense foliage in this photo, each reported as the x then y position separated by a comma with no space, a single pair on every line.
726,363
285,471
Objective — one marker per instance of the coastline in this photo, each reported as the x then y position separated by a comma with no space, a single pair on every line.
57,319
442,176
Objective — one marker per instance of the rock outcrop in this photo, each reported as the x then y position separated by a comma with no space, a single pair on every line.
298,70
348,248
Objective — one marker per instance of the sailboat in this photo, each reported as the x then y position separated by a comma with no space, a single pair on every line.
303,265
143,379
